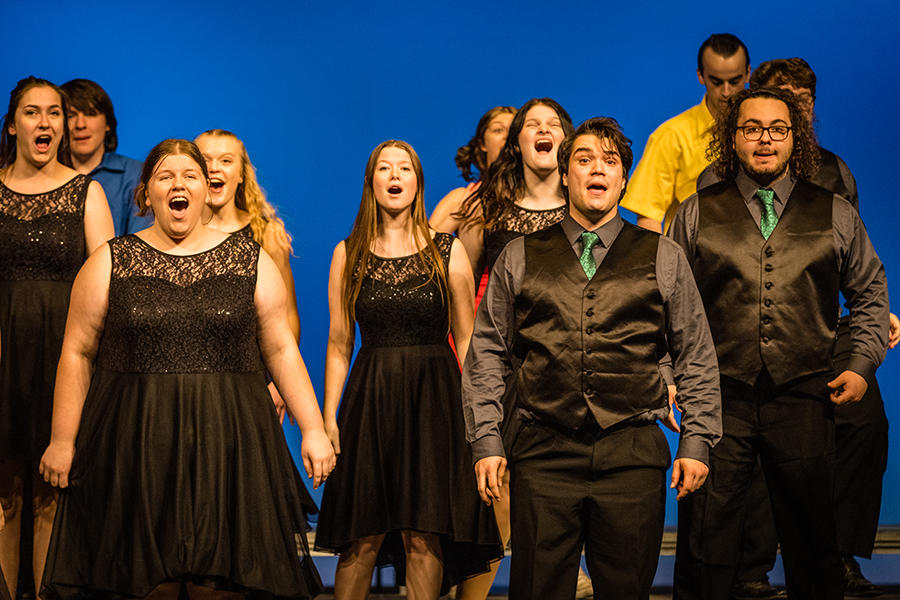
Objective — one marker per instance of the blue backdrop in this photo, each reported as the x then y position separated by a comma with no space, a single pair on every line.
311,88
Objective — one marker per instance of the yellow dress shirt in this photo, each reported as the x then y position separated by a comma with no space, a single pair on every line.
674,157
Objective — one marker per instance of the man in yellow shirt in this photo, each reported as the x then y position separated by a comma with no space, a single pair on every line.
675,154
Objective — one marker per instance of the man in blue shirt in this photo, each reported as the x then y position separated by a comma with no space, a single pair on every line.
93,141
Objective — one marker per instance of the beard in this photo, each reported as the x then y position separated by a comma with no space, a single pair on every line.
765,176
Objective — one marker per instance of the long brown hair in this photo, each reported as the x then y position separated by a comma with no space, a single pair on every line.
358,245
504,181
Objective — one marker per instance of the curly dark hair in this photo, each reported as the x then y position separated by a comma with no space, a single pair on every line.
603,128
504,181
805,158
471,155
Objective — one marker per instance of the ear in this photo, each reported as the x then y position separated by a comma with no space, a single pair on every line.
565,179
11,129
700,77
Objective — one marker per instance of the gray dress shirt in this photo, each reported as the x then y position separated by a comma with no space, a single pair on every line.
862,278
489,360
709,177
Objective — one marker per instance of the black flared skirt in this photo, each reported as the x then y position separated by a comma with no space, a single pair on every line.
405,463
180,477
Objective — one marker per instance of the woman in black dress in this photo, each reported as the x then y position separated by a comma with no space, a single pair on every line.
176,465
51,219
238,205
403,491
4,589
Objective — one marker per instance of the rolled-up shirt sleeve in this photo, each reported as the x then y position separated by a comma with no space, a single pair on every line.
489,361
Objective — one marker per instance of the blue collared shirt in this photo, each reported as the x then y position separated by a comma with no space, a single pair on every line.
119,176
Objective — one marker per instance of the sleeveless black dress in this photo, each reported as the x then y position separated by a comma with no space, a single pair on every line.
41,251
245,231
181,470
404,461
309,505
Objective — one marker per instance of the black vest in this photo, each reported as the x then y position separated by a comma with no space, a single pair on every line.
775,302
590,345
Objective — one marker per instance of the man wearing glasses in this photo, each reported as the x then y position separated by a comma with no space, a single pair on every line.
861,428
770,253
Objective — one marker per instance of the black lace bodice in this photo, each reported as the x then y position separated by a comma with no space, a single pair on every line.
396,307
181,314
520,221
245,231
42,235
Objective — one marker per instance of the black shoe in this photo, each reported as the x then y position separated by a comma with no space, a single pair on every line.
756,590
855,584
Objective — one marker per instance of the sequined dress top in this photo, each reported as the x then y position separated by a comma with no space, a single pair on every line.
405,463
181,469
42,248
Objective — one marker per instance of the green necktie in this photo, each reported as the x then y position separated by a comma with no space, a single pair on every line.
589,239
769,217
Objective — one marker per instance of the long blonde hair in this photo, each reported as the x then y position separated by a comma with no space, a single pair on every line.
250,197
358,245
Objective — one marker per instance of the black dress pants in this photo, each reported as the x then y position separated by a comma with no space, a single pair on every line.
759,542
790,429
861,455
600,491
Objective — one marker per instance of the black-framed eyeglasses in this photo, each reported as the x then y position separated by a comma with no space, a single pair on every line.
778,133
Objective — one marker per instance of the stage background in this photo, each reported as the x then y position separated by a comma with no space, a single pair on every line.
311,88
